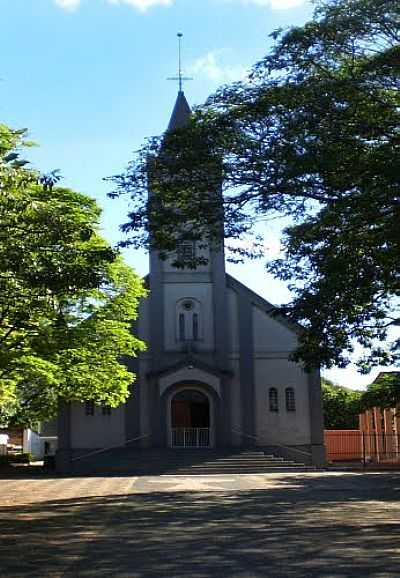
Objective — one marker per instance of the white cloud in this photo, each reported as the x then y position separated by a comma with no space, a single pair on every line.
209,66
68,4
143,5
277,4
273,4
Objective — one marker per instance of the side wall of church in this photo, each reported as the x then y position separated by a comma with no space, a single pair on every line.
98,430
102,431
273,342
281,426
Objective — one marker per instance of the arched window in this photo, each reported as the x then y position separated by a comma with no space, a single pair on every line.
273,399
188,320
290,399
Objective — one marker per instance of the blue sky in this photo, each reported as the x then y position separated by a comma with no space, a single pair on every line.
88,79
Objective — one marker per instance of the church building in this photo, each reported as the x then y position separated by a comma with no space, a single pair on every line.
216,373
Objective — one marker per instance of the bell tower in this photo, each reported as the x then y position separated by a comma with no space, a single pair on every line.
188,314
186,303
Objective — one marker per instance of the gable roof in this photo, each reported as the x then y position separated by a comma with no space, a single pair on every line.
190,361
260,302
266,306
386,374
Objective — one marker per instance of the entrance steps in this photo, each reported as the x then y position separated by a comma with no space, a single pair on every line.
188,462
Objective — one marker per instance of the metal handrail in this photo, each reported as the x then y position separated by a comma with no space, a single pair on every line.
288,448
242,433
292,449
102,450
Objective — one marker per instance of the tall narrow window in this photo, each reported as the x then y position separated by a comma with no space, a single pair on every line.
290,399
89,407
182,331
195,326
106,410
273,399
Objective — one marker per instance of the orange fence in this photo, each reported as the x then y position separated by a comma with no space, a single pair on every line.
376,441
355,445
343,444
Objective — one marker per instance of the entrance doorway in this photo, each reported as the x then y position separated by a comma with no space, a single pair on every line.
190,419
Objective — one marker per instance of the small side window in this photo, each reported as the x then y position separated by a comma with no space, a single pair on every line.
290,399
273,399
89,407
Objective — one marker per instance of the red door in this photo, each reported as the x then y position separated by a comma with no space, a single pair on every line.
181,414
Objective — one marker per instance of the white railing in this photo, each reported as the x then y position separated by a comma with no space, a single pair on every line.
190,437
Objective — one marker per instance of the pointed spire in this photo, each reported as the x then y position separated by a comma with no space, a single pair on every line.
181,113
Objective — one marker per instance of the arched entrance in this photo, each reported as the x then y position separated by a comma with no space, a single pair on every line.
190,419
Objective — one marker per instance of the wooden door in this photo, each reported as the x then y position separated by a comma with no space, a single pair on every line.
181,414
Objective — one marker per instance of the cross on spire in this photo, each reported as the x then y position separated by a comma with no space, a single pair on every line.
180,78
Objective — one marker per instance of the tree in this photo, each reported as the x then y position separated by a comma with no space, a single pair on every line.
66,298
341,406
383,392
312,135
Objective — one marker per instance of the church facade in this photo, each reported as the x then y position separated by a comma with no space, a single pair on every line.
216,373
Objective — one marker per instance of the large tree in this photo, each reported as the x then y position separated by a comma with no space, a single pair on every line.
311,135
383,392
341,406
66,298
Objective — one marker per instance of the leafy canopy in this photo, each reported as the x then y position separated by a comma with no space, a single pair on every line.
66,298
341,406
312,135
384,391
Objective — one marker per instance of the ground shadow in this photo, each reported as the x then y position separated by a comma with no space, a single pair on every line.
328,527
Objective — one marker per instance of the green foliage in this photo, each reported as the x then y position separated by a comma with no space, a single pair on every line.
384,392
66,298
312,135
341,406
20,458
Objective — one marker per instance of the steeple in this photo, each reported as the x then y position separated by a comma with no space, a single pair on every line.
181,113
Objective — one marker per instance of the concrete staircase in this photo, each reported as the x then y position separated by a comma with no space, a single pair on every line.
150,462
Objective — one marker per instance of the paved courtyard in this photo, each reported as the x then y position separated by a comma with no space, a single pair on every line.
277,525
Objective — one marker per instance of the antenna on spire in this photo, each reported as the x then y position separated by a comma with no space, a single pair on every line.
180,78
